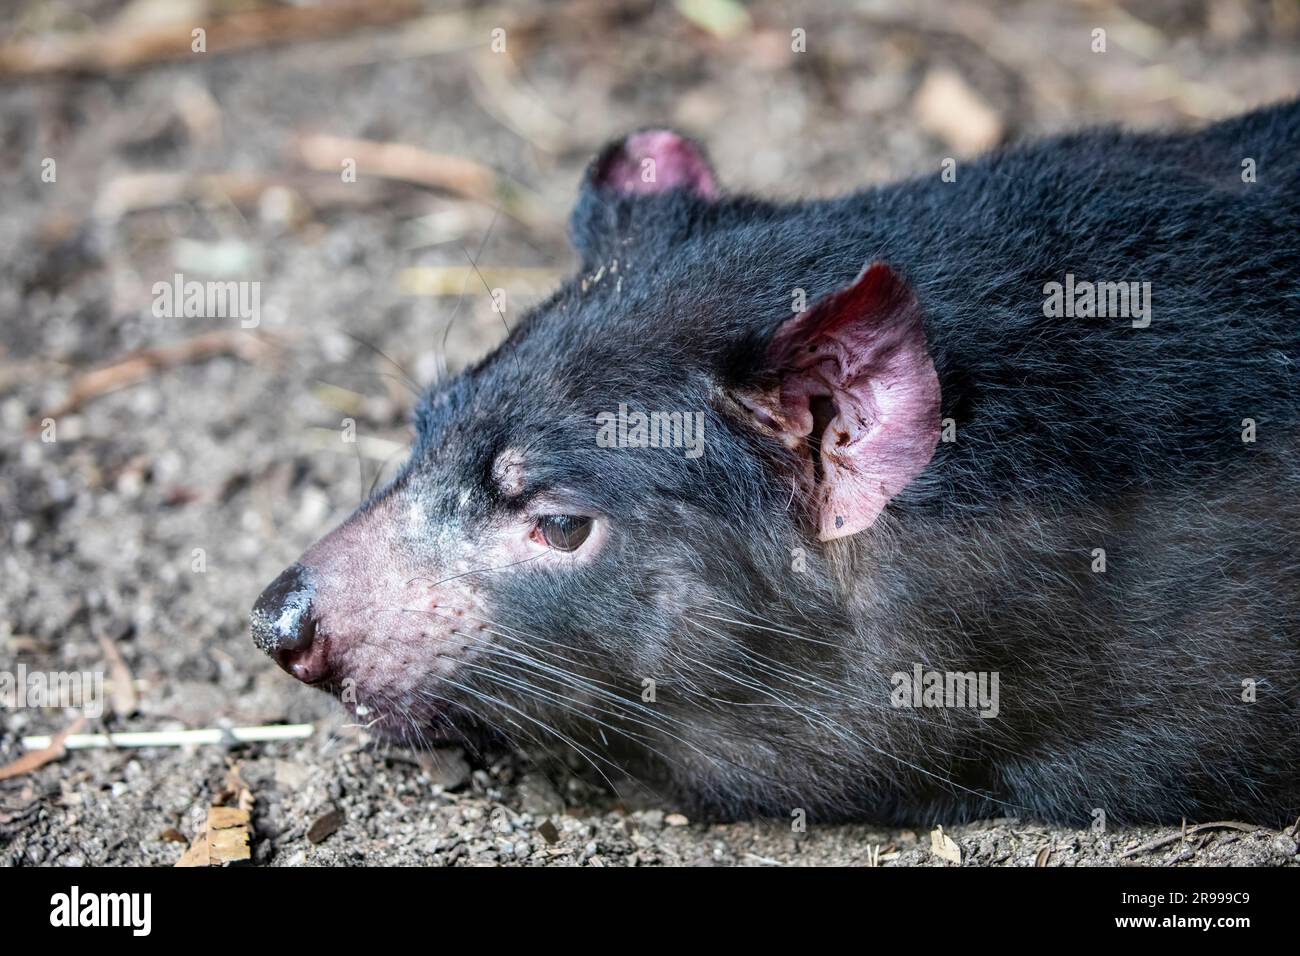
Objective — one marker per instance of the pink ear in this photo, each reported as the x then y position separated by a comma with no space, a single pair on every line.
654,161
863,349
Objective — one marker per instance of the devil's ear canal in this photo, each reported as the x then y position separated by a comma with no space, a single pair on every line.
856,395
646,163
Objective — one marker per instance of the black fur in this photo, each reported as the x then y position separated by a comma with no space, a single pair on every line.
1119,690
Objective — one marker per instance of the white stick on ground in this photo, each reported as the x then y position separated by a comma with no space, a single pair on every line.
178,738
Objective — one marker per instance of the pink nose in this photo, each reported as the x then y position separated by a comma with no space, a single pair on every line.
284,626
310,664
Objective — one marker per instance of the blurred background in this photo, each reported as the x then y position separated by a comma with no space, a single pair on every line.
349,157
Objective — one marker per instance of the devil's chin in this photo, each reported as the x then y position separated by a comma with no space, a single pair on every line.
418,725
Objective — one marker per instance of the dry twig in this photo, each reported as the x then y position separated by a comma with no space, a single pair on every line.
129,45
142,363
53,750
410,164
1165,841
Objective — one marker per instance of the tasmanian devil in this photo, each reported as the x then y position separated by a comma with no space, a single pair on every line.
977,494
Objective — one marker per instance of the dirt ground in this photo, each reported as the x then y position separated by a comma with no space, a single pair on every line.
170,498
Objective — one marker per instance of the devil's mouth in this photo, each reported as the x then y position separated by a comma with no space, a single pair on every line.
426,725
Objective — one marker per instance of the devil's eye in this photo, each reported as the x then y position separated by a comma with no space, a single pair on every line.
563,532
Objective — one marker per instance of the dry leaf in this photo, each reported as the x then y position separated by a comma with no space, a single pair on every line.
325,826
947,106
228,831
122,695
39,758
724,19
237,790
223,839
944,847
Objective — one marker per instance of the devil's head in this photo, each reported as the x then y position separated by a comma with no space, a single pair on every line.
622,523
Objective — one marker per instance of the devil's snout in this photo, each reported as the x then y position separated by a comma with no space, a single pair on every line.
284,625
